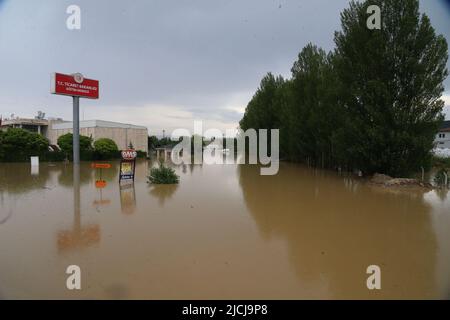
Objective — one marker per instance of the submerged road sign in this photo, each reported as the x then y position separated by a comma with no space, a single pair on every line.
127,165
101,165
77,87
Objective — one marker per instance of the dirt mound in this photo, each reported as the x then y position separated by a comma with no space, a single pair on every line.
379,178
387,181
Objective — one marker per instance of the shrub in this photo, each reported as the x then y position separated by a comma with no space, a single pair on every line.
141,154
65,142
163,175
19,145
441,162
53,156
105,148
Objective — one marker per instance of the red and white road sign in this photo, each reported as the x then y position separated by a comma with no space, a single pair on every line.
74,85
129,154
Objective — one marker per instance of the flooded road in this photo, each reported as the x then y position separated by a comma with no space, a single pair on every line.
224,232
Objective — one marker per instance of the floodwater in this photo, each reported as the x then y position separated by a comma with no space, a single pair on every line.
224,232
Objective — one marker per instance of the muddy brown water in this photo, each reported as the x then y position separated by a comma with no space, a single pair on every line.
224,232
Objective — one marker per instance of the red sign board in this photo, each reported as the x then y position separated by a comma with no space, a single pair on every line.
74,85
129,154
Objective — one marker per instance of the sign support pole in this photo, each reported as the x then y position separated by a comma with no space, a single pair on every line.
76,130
76,86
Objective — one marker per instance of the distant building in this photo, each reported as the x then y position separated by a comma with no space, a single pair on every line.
33,125
443,137
122,134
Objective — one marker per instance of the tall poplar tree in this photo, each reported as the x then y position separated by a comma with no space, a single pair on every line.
391,84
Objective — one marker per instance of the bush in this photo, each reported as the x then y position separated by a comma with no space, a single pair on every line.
52,156
441,162
152,142
163,175
19,145
65,142
105,148
141,154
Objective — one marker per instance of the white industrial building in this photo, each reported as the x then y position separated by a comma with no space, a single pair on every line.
121,133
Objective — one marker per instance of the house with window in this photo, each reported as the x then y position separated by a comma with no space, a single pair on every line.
443,137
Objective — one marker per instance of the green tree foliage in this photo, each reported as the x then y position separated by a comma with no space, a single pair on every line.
65,142
392,81
372,104
152,142
105,148
19,145
311,113
263,110
163,175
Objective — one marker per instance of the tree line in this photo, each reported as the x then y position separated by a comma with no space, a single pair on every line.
372,103
18,145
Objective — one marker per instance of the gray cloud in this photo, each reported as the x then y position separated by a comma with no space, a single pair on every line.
185,60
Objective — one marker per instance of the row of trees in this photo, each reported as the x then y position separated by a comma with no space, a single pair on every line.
154,142
19,145
373,103
101,149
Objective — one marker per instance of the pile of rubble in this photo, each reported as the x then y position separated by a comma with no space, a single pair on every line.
387,181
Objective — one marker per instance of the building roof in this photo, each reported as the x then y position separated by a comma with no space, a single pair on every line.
23,121
97,124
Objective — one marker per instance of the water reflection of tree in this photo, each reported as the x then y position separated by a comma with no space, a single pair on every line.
335,232
16,178
109,175
4,216
442,193
65,177
163,192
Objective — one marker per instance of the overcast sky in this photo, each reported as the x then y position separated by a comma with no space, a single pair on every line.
162,63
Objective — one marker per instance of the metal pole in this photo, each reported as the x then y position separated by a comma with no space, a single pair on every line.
76,130
76,200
